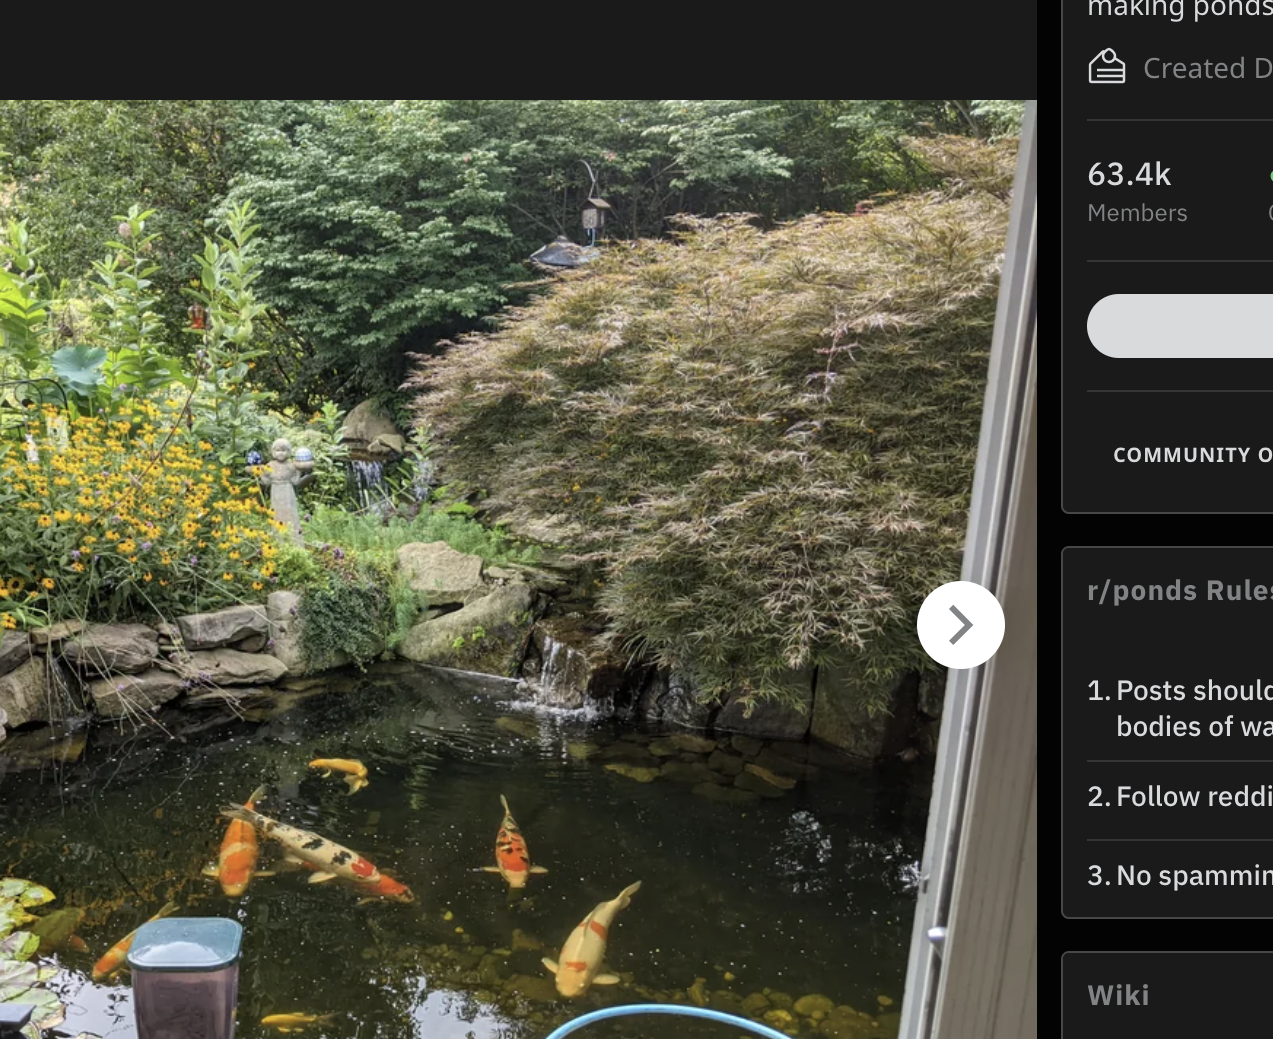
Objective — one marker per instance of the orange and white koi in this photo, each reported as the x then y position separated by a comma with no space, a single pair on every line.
114,959
236,865
332,859
581,957
511,854
356,771
385,887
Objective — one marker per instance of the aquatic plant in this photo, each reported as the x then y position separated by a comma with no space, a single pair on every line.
766,439
21,981
131,516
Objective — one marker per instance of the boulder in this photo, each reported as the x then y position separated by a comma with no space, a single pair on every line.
282,611
746,745
112,649
124,695
252,644
565,666
769,719
441,573
786,762
488,635
368,430
222,627
15,650
841,720
730,795
221,667
670,699
26,695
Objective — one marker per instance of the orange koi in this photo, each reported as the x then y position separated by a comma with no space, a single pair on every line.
356,771
236,865
511,854
114,959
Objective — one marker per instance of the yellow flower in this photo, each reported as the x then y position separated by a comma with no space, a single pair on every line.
147,578
8,622
15,584
45,521
4,592
78,567
257,586
61,515
127,548
227,576
48,584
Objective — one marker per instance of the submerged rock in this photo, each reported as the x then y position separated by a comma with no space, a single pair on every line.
445,576
725,763
532,987
814,1006
221,627
693,744
781,782
756,1004
112,649
729,795
641,775
523,727
747,746
683,772
753,783
582,751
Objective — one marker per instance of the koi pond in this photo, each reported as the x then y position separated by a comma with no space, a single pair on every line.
793,908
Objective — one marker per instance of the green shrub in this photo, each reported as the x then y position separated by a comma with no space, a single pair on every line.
767,439
368,534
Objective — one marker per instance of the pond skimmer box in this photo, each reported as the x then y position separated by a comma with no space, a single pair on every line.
186,978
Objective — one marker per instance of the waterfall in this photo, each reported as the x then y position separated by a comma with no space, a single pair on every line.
368,479
563,676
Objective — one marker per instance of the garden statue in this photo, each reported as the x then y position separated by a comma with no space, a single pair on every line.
282,476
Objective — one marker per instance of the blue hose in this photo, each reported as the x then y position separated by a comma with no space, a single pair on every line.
666,1008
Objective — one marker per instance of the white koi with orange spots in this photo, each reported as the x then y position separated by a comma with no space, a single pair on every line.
584,952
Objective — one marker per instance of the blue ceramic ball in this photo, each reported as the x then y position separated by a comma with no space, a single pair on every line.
254,458
304,454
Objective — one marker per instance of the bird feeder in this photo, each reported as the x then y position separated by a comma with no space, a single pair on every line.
594,214
186,978
198,317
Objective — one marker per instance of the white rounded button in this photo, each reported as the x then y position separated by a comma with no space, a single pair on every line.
960,625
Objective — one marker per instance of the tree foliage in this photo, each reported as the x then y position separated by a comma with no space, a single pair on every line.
77,163
767,439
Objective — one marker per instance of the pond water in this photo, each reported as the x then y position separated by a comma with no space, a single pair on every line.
810,893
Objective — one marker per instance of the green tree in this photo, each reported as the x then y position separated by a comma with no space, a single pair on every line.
75,164
383,233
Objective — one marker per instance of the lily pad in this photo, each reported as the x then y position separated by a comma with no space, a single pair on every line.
12,917
19,980
24,892
21,945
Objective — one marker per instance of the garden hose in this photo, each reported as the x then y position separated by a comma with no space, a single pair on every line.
641,1009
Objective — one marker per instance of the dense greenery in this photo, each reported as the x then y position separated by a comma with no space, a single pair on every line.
390,225
767,438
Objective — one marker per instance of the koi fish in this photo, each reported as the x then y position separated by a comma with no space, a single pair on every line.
56,931
356,777
236,865
295,1022
511,853
113,961
330,858
385,887
582,955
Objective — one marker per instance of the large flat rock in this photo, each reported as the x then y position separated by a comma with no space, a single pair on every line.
112,649
487,635
121,696
441,573
221,667
222,627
